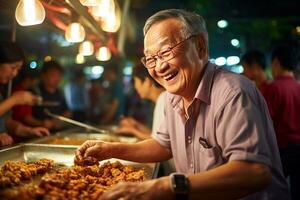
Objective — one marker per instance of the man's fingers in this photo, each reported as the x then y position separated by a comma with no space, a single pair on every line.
91,151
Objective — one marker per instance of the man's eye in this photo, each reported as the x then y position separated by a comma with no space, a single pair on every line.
165,53
149,60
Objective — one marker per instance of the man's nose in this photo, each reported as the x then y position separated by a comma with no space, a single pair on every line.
161,65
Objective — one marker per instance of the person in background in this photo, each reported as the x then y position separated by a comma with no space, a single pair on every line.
76,96
283,99
95,92
11,61
26,80
112,100
254,64
52,98
147,90
216,124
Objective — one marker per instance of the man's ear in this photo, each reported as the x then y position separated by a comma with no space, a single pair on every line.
201,45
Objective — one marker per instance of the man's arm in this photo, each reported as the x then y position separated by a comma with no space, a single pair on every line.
17,128
143,152
230,181
233,180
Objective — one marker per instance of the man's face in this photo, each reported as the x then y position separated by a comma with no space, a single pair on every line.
52,78
9,70
181,74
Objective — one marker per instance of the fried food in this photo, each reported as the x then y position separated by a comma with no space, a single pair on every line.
76,182
12,173
87,161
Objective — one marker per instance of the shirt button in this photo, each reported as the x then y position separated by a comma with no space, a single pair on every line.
189,141
191,165
189,137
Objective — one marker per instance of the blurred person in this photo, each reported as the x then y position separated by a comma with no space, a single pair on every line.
76,96
26,80
216,124
254,64
52,98
95,92
147,90
11,61
112,100
283,99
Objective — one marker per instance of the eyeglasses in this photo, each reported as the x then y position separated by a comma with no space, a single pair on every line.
163,55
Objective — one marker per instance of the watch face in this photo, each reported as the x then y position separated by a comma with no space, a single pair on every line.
180,183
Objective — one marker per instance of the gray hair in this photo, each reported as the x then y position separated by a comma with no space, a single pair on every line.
192,23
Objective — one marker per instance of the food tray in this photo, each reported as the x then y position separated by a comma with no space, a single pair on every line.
61,154
66,138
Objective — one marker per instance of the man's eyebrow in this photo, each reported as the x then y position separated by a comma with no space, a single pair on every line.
162,42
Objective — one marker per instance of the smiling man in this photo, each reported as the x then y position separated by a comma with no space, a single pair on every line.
216,126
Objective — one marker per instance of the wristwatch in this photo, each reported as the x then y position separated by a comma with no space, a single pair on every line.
180,185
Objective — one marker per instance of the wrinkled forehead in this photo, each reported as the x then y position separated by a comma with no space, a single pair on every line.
162,34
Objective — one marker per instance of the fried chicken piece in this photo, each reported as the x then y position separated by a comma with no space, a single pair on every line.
87,161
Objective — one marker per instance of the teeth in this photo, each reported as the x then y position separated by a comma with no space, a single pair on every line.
169,76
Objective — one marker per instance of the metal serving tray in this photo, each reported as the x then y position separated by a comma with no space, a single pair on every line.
65,138
61,154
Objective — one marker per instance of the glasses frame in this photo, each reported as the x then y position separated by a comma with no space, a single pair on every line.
159,56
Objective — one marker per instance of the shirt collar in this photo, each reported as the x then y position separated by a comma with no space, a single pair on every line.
204,89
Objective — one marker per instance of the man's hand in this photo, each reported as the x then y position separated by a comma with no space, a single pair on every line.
25,97
128,121
5,139
52,124
38,131
95,149
148,190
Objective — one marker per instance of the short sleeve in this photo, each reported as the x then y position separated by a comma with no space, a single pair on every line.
161,135
240,130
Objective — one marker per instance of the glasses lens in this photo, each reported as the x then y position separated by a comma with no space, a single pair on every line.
149,62
166,55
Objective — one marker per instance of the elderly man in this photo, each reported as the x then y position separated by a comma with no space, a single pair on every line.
216,127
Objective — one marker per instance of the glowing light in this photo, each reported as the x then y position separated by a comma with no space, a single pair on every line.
47,58
86,48
235,42
298,30
103,9
127,70
97,71
212,60
232,60
33,65
112,21
220,61
103,54
80,59
222,24
29,12
90,2
75,33
237,69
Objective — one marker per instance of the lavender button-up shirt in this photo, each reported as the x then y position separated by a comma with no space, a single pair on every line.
228,120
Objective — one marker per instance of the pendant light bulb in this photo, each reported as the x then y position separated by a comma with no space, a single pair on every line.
29,12
103,54
86,48
75,32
